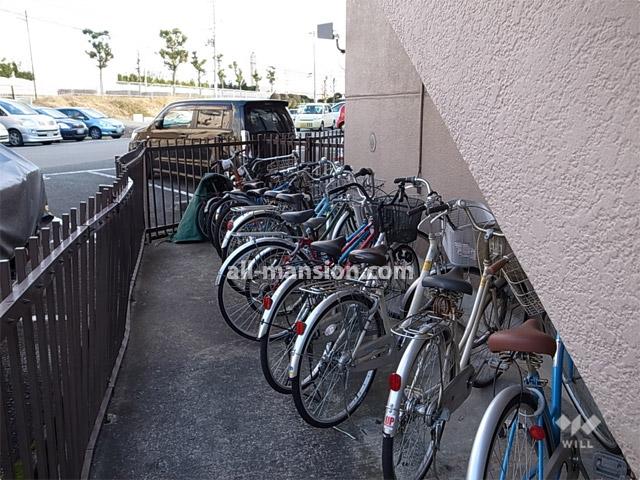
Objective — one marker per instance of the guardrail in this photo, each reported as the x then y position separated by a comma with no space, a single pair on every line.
63,329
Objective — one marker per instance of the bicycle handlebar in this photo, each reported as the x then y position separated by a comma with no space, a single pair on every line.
430,210
346,187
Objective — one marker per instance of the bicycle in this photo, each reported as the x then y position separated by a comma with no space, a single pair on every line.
520,435
331,349
436,372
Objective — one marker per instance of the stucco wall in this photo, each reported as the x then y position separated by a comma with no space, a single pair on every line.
542,100
383,98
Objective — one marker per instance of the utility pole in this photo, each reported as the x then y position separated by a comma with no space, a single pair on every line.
33,71
212,43
314,64
252,64
138,72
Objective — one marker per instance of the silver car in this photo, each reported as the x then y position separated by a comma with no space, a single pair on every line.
4,134
25,125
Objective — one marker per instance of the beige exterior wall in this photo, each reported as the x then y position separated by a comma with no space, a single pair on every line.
542,99
383,99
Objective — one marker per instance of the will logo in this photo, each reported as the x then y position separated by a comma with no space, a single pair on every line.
576,425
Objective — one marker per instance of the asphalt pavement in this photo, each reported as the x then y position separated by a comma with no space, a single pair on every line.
74,170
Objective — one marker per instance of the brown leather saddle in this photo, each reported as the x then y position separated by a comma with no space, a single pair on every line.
525,338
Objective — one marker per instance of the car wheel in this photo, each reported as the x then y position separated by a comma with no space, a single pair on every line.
116,136
95,133
15,138
321,127
333,125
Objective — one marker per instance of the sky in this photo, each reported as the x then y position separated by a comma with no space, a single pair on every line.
277,31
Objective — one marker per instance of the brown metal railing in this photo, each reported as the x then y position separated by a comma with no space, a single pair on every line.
62,324
174,168
64,304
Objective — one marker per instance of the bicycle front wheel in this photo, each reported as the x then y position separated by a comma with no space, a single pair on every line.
326,387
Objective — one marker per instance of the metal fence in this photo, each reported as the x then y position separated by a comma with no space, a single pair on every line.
63,319
64,303
174,168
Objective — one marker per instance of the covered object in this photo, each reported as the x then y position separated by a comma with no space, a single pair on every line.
22,201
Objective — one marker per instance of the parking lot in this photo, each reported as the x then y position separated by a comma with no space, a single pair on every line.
74,170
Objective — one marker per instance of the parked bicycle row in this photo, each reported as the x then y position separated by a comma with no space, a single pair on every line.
337,275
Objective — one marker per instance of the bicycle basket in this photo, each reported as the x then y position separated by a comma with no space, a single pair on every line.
393,218
521,286
459,239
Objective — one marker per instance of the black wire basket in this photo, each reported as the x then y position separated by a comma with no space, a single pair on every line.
393,219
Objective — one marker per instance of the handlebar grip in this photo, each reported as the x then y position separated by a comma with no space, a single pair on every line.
363,172
498,265
430,210
443,207
346,187
325,177
404,180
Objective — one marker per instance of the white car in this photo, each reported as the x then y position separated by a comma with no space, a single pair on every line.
4,134
25,125
314,116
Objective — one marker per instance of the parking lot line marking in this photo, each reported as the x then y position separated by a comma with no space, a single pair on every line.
102,174
74,172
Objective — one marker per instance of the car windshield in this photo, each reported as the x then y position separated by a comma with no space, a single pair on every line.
336,107
313,109
18,108
93,113
52,112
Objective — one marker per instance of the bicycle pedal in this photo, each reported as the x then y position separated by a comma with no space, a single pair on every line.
610,466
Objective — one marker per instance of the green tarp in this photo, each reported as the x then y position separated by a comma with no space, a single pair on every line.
188,231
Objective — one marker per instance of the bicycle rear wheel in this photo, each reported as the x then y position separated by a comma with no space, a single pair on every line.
244,281
409,453
326,389
506,445
587,408
276,345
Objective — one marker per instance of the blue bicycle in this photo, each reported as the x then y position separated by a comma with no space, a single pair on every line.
524,435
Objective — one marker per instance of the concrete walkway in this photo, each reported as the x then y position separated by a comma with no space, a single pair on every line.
191,401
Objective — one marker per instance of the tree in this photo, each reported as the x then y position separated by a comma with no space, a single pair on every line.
199,66
256,80
271,76
173,55
220,70
101,51
237,73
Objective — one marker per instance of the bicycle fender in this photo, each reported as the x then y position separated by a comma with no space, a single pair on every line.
482,441
310,323
243,218
280,293
243,248
392,409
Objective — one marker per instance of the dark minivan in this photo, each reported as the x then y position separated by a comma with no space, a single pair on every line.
210,119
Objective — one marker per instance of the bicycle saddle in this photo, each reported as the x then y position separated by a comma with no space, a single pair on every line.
526,338
451,280
290,197
374,256
257,192
315,223
333,248
271,194
252,186
296,218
